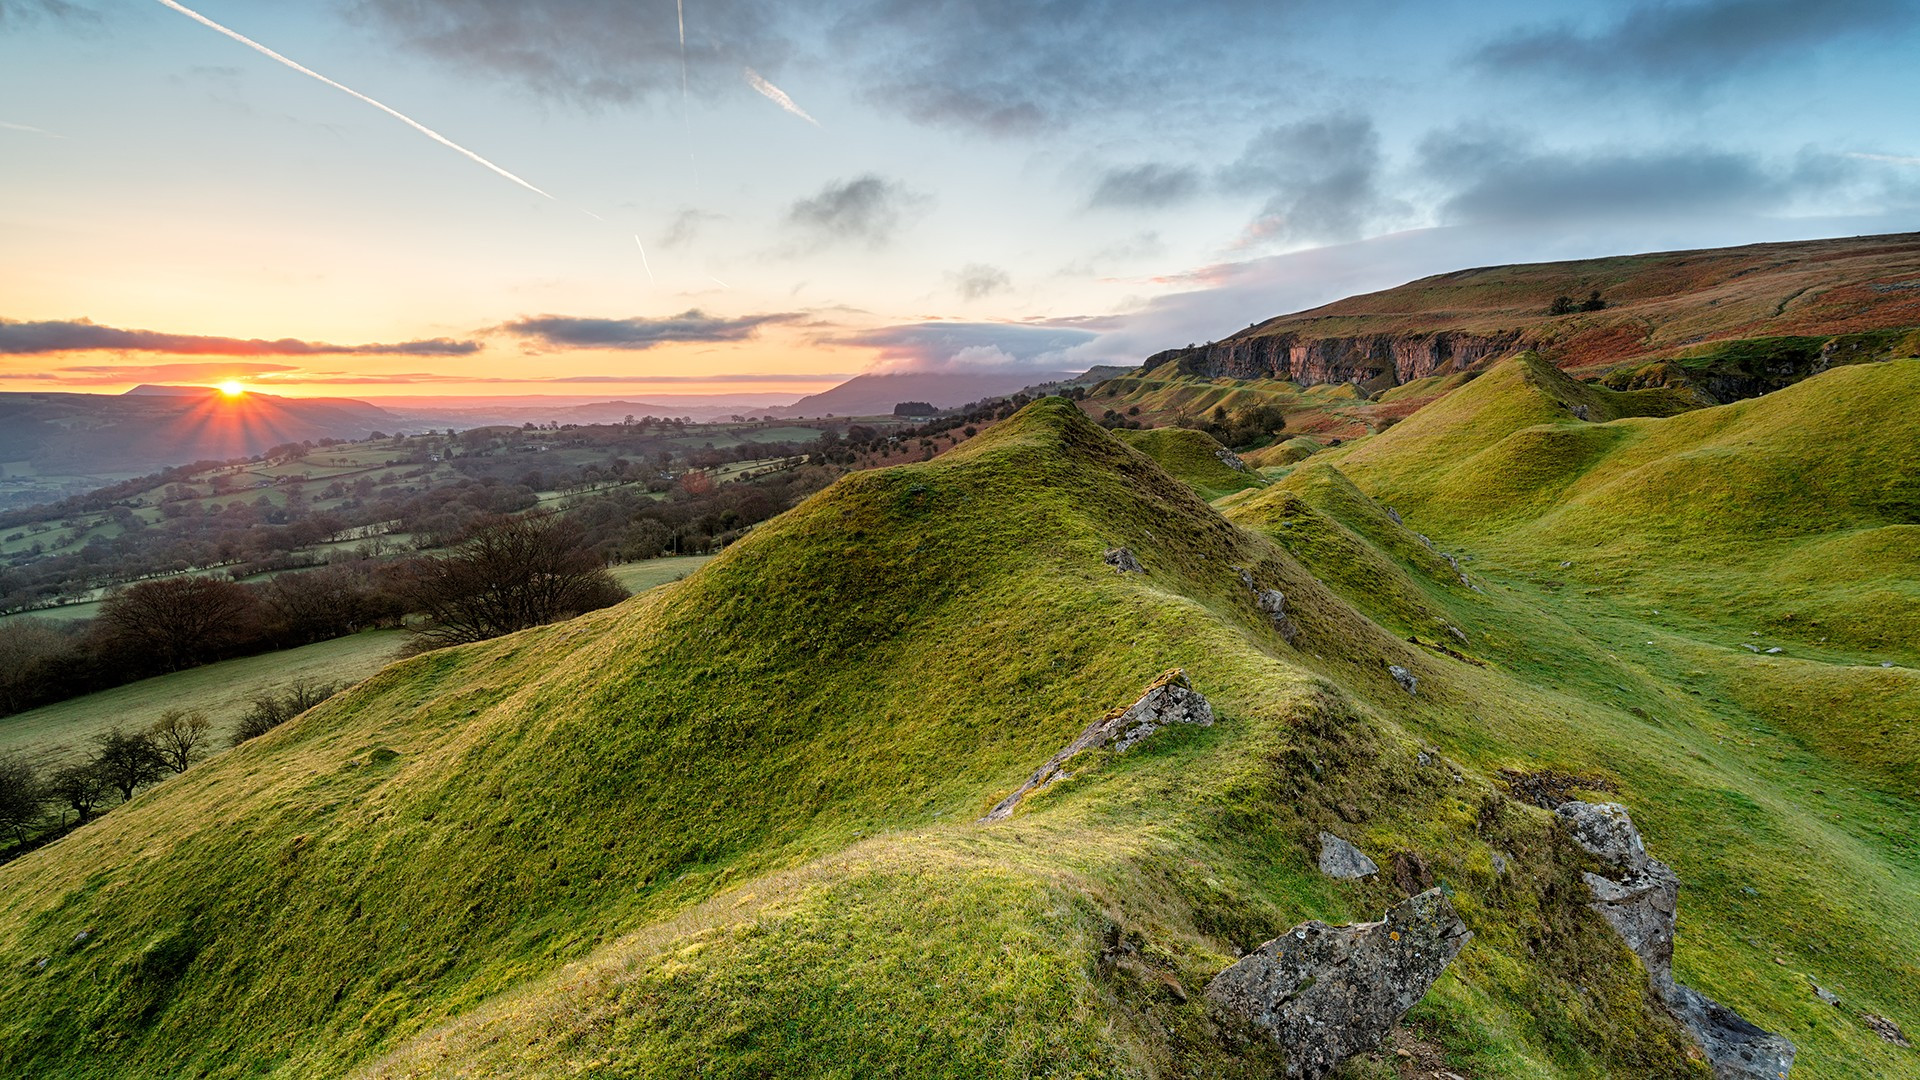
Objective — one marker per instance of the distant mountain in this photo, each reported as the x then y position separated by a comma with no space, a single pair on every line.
515,411
876,395
152,427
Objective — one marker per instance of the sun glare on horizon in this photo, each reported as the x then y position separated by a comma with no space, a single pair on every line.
232,388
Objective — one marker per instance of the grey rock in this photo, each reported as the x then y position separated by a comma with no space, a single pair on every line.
1325,993
1885,1028
1339,859
1642,905
1500,864
1273,603
1458,634
1395,515
1122,561
1750,648
1407,680
1775,650
1231,460
1826,995
1737,1049
1170,699
1605,831
1642,909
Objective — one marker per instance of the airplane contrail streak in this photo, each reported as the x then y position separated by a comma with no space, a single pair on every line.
772,93
1891,159
686,122
643,259
29,129
718,282
310,73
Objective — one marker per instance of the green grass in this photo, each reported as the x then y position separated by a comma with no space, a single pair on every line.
728,827
651,573
1191,456
221,690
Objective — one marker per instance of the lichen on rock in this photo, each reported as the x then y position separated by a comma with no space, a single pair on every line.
1340,859
1169,699
1325,993
1642,905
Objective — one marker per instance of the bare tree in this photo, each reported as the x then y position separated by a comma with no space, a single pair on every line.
21,796
126,762
181,621
180,737
509,574
80,786
270,710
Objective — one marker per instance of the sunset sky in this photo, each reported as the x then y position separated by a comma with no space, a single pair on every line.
1047,184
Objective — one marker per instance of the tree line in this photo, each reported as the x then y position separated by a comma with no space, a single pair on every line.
35,801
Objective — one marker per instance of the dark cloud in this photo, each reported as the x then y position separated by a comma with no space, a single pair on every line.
997,66
951,346
1010,67
867,209
82,335
1321,177
1501,179
694,325
17,12
1147,186
589,51
976,281
1690,43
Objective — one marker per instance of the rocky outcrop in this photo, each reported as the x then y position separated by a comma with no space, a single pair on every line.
1325,993
1408,680
1170,699
1308,360
1231,460
1641,903
1123,561
1273,604
1340,859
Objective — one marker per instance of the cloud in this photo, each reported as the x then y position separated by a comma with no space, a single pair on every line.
589,52
868,209
686,226
17,12
1148,186
960,346
1500,178
109,374
1691,43
1321,177
976,281
693,325
1019,67
83,335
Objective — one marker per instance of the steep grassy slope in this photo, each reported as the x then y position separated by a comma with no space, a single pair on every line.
1192,456
1792,514
728,827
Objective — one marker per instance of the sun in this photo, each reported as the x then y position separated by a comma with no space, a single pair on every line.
232,388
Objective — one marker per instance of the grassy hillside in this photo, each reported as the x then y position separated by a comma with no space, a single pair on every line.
1791,515
221,690
1192,456
729,827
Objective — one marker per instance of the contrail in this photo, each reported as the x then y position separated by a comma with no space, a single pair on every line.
643,258
718,282
29,129
309,72
1891,159
772,93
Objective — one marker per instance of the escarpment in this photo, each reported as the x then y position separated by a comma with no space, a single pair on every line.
1309,360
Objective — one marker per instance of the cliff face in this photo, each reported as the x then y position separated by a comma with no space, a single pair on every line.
1309,361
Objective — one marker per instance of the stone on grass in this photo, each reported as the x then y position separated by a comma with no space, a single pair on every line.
1170,699
1123,562
1325,993
1642,905
1339,859
1408,680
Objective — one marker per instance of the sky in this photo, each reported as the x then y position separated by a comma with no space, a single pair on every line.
760,197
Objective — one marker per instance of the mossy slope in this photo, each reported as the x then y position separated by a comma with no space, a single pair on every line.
729,825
